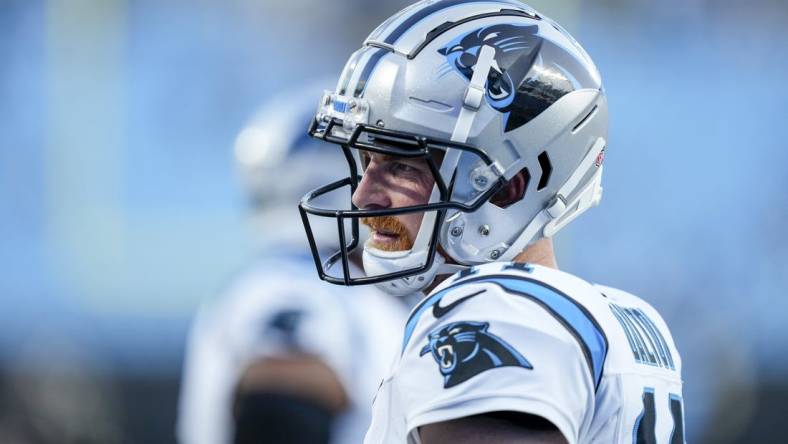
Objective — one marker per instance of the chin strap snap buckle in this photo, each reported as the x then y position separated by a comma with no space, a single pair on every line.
474,94
475,91
557,207
473,97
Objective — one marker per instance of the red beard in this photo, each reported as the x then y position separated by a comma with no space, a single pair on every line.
394,231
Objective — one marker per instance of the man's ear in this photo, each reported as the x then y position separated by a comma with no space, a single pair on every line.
513,191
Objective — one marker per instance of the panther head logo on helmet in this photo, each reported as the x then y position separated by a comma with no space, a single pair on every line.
509,89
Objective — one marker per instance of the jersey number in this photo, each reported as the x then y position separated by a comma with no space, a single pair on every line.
646,424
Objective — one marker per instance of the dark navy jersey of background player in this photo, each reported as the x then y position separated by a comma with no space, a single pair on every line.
598,363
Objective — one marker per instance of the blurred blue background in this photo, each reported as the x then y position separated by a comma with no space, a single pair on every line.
120,209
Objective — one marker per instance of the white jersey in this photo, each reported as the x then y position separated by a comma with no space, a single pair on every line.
598,363
278,307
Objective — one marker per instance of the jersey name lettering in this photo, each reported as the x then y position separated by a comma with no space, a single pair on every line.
647,343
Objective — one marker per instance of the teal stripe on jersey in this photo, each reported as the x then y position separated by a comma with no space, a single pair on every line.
574,317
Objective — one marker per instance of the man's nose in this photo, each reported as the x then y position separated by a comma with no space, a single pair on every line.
371,191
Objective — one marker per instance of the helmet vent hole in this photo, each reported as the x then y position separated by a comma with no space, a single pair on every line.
584,119
513,191
547,169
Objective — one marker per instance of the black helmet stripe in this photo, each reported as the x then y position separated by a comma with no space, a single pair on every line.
348,72
429,9
367,70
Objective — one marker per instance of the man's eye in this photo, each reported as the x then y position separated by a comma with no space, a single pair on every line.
404,168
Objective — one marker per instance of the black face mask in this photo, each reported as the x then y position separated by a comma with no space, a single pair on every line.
335,268
272,418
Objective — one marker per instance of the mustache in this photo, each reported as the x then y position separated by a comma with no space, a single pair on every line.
385,224
389,225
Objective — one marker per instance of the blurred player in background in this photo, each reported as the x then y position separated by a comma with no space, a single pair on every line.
478,130
279,357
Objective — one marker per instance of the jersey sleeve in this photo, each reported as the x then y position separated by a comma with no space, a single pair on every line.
260,315
276,315
205,392
499,345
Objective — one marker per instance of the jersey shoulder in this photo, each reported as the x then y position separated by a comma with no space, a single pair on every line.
645,337
505,337
522,298
517,278
275,307
513,289
285,287
624,298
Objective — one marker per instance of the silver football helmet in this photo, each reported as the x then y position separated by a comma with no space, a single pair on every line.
485,92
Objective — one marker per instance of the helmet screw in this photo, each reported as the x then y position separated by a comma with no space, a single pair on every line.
481,181
421,278
495,254
381,123
484,230
456,231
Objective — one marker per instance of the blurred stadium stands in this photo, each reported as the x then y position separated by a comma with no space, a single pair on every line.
119,209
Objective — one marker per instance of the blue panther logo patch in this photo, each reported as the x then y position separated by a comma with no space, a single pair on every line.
509,89
285,325
465,349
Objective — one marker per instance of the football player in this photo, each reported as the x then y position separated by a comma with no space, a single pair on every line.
280,358
474,131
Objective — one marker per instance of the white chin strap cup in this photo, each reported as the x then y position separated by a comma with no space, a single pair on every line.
379,262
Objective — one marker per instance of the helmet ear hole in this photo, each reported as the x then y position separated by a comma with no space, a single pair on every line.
513,191
547,169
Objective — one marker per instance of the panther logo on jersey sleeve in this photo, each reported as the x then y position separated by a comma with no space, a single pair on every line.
284,325
464,349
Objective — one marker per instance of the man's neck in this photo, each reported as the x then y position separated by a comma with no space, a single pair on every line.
540,252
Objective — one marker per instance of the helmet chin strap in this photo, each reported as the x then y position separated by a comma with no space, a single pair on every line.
560,212
377,262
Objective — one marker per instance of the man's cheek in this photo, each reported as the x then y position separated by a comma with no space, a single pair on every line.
412,223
